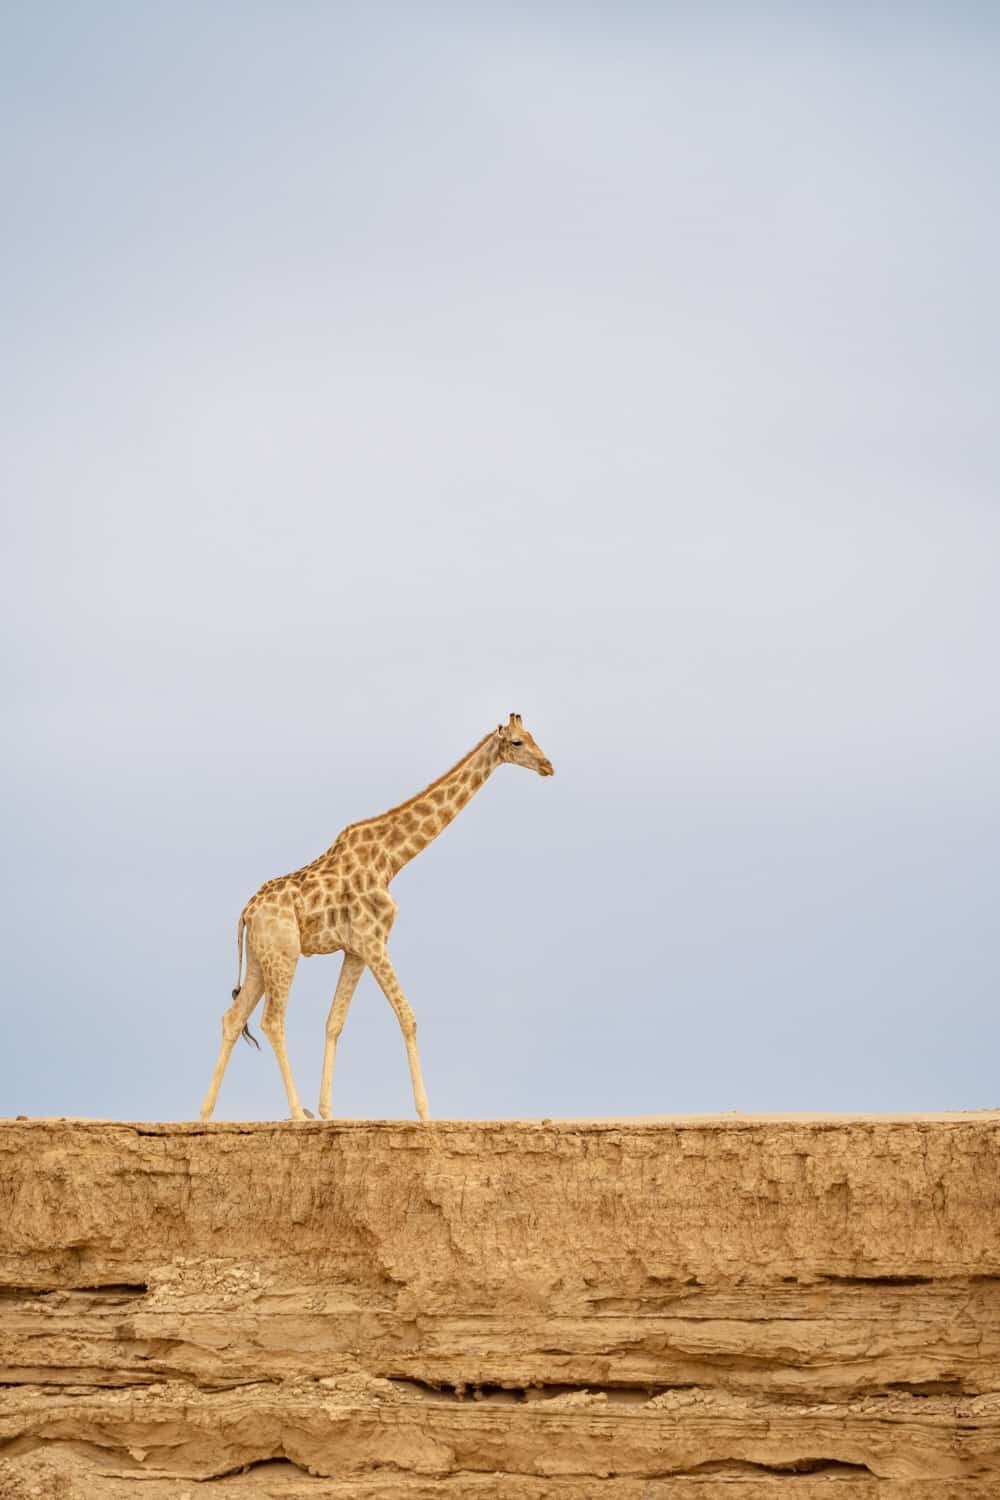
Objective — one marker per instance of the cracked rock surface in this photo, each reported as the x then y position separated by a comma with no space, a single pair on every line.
674,1309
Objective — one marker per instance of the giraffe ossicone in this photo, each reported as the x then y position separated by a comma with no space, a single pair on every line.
341,904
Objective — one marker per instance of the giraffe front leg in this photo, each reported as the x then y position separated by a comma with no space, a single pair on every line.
350,973
233,1023
391,989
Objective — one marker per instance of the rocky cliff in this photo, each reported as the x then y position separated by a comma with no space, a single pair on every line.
678,1309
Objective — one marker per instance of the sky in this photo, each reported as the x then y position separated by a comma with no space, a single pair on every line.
371,372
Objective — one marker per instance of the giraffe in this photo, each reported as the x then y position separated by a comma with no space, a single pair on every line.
341,903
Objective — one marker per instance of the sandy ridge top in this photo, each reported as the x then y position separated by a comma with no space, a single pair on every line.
733,1120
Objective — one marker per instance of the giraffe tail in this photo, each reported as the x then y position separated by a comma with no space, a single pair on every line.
246,1033
239,952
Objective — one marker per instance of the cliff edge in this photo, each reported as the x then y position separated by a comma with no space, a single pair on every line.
677,1309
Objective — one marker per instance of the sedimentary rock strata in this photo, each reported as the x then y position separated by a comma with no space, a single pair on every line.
671,1310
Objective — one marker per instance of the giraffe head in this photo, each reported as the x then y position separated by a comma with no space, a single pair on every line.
519,749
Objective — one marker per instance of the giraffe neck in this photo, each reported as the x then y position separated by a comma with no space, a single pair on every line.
406,830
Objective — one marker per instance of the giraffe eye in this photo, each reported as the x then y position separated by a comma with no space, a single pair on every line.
517,742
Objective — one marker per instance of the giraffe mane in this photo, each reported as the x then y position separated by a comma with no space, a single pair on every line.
402,806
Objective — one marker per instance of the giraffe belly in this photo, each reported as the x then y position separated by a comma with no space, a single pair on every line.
321,932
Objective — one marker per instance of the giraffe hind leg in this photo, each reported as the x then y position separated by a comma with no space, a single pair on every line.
234,1024
246,1033
279,970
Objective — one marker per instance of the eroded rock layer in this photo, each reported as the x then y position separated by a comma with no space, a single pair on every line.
671,1310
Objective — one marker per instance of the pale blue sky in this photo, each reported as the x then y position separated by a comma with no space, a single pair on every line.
371,372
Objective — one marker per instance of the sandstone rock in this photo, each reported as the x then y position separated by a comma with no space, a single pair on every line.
645,1310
